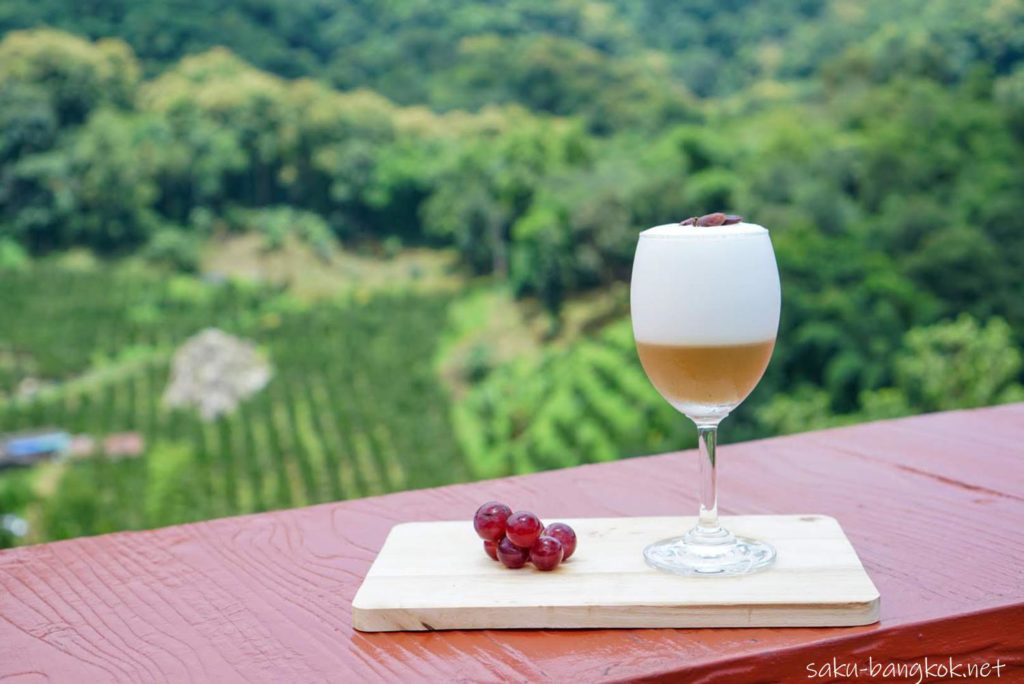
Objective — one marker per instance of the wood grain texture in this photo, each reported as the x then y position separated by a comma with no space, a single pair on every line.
817,581
933,505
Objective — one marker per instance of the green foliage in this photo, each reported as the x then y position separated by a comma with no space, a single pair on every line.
96,189
67,316
559,57
959,365
478,363
174,249
73,75
354,408
16,494
562,76
542,201
882,143
275,224
586,404
12,256
27,118
444,51
801,410
80,507
1008,91
948,365
171,495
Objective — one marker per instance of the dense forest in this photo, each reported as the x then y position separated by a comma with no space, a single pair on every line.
881,143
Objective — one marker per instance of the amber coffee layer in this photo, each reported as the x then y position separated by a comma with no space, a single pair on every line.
720,374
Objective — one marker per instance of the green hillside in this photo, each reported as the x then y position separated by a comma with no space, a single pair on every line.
425,214
354,407
445,52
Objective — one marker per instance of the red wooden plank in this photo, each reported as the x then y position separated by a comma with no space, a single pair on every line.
267,597
967,439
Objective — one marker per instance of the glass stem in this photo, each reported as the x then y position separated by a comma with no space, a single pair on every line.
707,435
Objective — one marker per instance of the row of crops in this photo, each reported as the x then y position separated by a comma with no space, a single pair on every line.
58,321
354,407
586,403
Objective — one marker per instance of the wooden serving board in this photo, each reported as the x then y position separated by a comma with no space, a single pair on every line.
435,575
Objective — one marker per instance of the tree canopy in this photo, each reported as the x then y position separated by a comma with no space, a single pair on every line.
537,138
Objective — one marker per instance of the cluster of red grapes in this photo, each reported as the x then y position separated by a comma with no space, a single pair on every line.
515,538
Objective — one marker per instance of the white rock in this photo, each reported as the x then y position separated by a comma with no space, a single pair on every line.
214,371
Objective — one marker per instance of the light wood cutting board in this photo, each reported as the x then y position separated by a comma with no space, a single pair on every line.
435,575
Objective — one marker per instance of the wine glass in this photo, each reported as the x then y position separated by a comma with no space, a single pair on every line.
705,306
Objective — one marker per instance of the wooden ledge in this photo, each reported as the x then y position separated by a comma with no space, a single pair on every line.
933,505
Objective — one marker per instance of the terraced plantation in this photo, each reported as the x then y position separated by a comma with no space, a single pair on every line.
585,403
357,404
353,409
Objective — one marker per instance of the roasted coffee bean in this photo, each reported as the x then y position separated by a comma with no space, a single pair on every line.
711,220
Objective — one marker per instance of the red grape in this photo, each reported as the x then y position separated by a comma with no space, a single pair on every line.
491,548
512,556
546,553
489,521
523,528
564,534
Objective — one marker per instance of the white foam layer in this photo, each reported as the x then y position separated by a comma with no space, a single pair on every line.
705,286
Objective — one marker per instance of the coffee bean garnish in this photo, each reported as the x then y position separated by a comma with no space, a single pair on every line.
711,220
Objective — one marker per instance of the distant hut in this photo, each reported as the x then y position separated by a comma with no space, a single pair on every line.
124,445
27,448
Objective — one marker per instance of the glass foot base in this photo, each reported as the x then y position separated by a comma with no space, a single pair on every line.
718,553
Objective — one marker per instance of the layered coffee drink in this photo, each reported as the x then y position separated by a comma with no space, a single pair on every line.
705,303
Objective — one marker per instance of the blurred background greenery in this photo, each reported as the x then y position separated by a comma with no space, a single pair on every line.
423,213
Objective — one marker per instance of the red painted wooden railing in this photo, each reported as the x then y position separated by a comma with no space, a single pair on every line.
934,505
